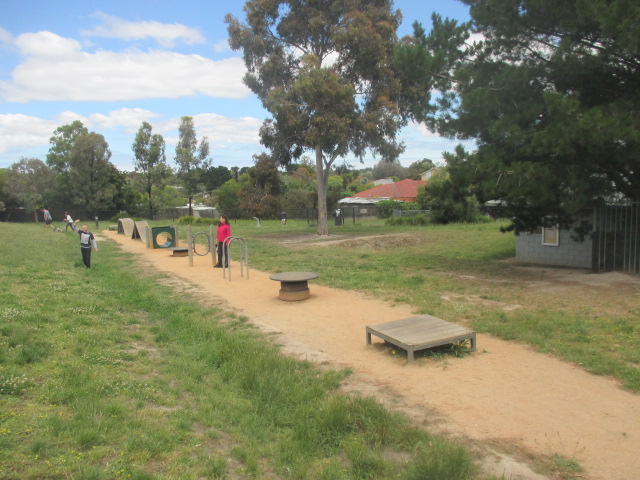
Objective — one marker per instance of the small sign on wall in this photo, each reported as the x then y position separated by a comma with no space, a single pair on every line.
551,236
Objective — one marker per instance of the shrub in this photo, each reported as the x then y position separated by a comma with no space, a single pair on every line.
448,202
385,208
188,220
206,221
118,216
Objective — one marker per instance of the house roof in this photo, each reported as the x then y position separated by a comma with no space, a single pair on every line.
198,207
404,189
360,201
383,181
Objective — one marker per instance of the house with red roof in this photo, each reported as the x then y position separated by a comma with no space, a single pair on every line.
402,191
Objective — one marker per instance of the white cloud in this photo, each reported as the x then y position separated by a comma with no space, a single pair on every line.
221,129
221,46
18,130
66,117
164,33
56,68
129,119
421,143
421,129
476,38
5,37
47,45
232,140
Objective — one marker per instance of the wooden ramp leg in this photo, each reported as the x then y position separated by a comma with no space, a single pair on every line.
410,355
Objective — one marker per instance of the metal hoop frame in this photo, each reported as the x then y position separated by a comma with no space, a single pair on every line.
195,250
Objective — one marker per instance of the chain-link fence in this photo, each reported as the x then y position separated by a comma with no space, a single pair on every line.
21,215
411,213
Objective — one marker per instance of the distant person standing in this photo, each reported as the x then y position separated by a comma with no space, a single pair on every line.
224,232
47,218
87,241
97,222
283,217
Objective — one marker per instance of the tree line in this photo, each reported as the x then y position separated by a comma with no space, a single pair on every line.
78,175
547,90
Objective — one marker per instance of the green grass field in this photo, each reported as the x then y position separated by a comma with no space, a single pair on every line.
105,374
108,374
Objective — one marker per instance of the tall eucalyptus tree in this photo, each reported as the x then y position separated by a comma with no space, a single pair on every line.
322,68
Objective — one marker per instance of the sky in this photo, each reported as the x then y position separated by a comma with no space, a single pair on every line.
114,64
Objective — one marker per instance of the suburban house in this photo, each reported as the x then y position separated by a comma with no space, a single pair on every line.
429,173
199,211
364,202
383,181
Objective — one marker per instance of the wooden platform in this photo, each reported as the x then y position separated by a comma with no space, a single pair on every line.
420,332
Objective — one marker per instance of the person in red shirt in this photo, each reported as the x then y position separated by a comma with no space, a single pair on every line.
224,232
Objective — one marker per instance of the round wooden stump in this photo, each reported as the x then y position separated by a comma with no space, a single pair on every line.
294,285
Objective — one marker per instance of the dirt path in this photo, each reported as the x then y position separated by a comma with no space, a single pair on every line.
503,398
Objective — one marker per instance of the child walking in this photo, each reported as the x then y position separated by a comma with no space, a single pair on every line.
86,242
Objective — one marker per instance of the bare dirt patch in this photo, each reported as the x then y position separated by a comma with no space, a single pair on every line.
375,242
513,405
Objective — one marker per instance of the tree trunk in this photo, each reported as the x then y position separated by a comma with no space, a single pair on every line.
321,180
149,195
190,206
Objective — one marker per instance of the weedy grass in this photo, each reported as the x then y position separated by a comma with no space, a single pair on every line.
105,373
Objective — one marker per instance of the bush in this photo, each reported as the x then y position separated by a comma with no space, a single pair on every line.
483,219
188,220
385,208
118,216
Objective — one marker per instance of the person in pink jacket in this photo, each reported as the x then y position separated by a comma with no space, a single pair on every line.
224,232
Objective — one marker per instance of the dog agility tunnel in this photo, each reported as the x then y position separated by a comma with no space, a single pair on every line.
163,237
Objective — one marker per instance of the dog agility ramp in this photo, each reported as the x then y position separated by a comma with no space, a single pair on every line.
140,231
126,226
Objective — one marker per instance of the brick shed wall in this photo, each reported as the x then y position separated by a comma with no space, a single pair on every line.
569,253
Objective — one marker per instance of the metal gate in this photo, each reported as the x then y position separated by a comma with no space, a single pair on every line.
616,238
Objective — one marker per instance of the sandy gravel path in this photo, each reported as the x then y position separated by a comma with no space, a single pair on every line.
504,398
